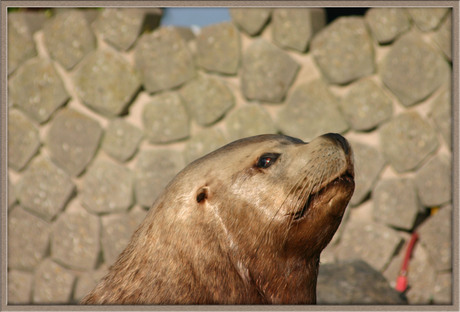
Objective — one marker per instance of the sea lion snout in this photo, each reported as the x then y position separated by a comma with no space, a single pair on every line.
339,140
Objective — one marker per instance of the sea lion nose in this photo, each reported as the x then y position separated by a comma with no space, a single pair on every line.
340,140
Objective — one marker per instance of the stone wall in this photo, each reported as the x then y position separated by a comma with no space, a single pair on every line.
103,111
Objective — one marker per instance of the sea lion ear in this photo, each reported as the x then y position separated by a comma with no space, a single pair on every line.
202,195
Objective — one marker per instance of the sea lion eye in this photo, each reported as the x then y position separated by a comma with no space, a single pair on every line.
266,160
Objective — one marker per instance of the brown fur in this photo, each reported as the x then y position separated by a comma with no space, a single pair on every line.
224,230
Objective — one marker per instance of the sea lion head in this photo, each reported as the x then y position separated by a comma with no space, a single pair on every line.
243,224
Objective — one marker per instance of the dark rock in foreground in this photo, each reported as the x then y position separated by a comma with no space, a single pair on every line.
354,282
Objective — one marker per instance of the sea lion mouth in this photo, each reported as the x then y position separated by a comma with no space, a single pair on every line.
345,182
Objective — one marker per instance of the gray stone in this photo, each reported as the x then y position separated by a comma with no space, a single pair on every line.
106,82
121,139
267,72
386,24
436,236
433,181
371,242
249,120
203,143
354,282
75,239
427,18
68,37
311,110
37,89
21,44
413,69
186,33
52,284
23,140
28,239
35,19
441,113
44,188
73,139
163,60
87,281
219,48
165,118
396,203
117,230
293,28
343,50
107,187
154,170
207,99
443,37
407,140
443,289
250,20
12,196
19,287
366,106
120,27
369,162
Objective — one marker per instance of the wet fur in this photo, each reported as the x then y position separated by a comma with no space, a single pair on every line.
210,238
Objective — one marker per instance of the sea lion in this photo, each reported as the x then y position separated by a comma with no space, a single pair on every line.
244,224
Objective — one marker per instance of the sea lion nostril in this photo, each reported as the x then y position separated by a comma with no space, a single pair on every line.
340,140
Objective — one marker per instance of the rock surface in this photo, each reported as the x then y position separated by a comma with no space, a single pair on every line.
107,188
207,99
19,287
75,242
73,139
343,50
163,60
427,19
23,140
121,139
26,248
68,37
154,170
52,284
106,82
369,162
294,28
396,203
433,181
310,111
249,120
407,140
412,69
366,105
435,236
250,20
120,26
267,72
386,24
21,45
354,282
165,118
44,188
37,89
219,48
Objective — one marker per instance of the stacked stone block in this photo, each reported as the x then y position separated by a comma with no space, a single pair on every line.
105,107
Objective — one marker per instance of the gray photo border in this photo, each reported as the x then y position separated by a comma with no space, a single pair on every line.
215,3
